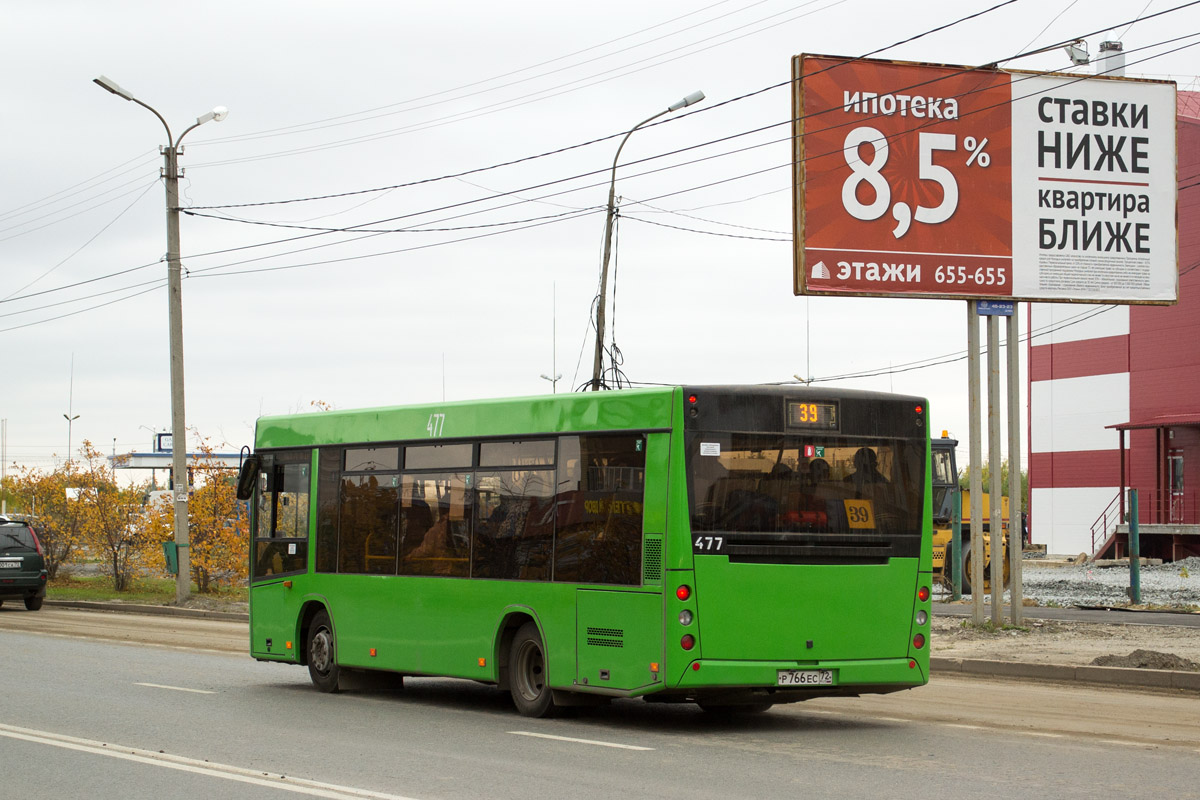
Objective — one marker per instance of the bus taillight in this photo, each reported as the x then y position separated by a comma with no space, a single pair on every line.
688,641
923,593
919,641
683,592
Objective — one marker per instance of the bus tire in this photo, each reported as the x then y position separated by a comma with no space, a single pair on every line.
322,654
527,674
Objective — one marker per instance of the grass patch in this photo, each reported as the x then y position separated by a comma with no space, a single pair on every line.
146,591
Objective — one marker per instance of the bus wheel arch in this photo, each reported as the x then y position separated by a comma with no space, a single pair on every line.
507,631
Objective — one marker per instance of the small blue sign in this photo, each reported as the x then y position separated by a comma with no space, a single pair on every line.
994,308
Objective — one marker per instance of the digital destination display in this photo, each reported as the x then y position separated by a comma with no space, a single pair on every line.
812,415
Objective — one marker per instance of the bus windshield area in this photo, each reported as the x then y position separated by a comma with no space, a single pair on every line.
774,483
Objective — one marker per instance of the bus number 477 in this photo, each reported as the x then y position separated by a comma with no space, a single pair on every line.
710,544
436,424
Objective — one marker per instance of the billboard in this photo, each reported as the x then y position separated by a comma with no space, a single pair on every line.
925,180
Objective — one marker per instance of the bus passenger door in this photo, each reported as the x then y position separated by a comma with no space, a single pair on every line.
278,552
618,637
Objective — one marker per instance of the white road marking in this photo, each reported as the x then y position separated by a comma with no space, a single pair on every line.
1040,733
174,688
580,741
968,727
206,768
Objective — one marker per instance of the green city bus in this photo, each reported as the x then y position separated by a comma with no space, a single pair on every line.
731,546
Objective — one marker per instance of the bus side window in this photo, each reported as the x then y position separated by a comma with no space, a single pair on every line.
435,520
599,500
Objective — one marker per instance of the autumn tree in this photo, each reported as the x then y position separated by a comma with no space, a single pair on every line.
51,499
115,524
218,523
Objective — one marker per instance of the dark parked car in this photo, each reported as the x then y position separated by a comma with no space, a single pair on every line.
22,566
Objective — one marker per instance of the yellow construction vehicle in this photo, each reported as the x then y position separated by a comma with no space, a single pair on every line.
945,485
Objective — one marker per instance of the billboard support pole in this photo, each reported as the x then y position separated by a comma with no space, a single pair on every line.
976,466
996,506
1016,500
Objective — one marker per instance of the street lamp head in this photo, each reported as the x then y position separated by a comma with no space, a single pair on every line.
110,85
690,100
216,115
1078,53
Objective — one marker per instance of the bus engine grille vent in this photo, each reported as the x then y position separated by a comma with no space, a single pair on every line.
605,637
652,567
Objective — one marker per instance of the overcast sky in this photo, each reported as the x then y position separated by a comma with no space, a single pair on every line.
334,99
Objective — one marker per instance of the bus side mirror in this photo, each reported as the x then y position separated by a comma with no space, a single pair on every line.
246,477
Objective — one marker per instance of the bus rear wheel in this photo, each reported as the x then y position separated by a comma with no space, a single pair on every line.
527,669
322,654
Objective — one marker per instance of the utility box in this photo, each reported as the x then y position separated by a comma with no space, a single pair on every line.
171,554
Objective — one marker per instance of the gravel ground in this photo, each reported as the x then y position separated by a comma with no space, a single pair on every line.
1175,585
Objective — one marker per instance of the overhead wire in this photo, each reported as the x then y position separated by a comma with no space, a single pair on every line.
391,252
319,124
547,184
506,105
519,228
75,189
359,257
79,249
709,108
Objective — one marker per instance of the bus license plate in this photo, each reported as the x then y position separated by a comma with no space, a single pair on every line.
805,677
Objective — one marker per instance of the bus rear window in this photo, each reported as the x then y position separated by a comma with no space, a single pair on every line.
768,483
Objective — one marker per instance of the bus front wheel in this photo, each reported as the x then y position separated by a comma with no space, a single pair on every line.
322,655
527,666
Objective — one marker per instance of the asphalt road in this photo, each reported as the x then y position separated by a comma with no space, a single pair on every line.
90,710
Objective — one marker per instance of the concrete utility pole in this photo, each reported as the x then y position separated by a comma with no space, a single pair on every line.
597,365
175,323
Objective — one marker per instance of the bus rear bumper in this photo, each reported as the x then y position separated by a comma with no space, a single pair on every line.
842,677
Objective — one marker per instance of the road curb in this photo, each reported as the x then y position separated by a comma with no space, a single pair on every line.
162,611
1122,677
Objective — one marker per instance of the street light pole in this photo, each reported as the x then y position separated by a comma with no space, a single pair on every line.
179,488
70,416
597,364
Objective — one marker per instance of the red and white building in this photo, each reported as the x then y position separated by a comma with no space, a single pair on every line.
1114,400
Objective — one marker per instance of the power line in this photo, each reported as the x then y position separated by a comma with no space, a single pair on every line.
506,105
77,250
454,241
219,267
676,118
546,184
319,124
